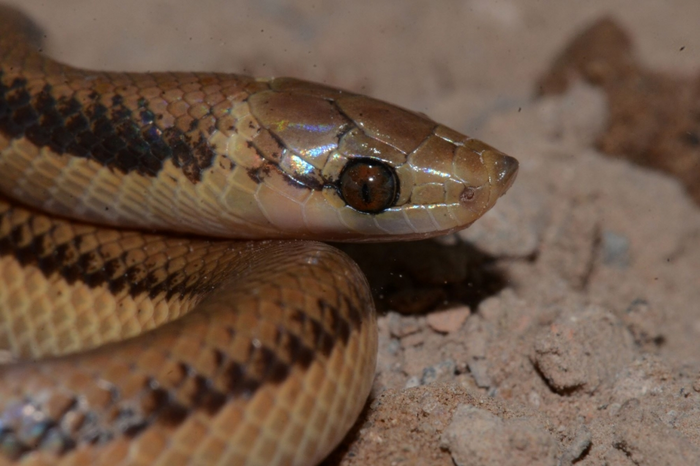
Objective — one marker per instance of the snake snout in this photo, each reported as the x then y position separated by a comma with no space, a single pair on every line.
502,168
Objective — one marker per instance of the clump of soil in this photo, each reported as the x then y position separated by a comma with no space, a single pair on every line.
654,117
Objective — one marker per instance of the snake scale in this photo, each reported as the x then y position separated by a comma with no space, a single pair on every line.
164,299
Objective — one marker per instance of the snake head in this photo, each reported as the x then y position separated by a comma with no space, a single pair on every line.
374,171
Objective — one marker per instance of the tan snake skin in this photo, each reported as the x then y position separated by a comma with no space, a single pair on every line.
123,346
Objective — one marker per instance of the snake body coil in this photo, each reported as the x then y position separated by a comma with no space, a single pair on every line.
120,345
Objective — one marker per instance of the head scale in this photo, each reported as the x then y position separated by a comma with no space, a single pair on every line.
375,171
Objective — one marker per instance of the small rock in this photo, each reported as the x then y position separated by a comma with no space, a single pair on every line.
414,339
479,369
401,326
534,398
570,241
441,372
582,350
449,320
412,382
641,435
580,444
696,384
394,346
615,249
645,322
477,437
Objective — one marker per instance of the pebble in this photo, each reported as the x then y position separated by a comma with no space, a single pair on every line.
477,437
449,320
441,372
615,249
401,326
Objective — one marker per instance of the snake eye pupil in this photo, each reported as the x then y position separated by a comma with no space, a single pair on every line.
366,198
368,185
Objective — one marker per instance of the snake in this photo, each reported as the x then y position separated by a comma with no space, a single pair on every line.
166,293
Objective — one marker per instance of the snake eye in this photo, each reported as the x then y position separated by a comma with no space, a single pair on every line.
368,185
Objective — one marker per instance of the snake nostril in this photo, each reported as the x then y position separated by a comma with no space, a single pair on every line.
467,195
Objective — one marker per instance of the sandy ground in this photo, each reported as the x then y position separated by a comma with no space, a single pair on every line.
581,346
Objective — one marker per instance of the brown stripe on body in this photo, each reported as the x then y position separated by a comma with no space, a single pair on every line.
126,121
310,301
125,133
116,259
160,267
157,403
74,252
171,383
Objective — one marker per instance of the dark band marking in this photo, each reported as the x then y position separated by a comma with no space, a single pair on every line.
116,137
93,268
158,402
130,141
155,404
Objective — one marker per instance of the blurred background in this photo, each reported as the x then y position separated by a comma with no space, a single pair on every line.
456,60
